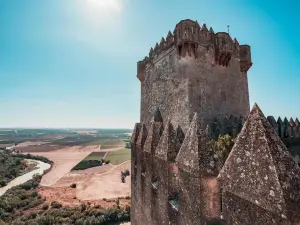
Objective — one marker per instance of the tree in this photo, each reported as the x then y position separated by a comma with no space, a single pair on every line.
223,146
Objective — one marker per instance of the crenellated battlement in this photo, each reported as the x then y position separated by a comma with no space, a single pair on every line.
186,38
175,174
285,128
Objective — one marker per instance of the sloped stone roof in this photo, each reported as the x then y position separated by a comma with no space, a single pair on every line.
166,148
195,154
154,133
142,136
135,133
260,169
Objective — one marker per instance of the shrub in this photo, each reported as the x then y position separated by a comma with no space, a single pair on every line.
45,206
73,185
83,207
56,205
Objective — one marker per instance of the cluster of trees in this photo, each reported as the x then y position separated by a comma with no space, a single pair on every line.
85,164
15,202
10,167
34,157
19,198
124,174
222,147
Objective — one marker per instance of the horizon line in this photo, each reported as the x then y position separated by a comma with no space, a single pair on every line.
67,128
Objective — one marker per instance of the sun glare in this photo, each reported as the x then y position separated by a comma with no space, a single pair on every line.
109,5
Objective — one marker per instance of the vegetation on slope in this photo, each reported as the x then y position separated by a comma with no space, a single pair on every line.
118,157
85,164
21,205
10,167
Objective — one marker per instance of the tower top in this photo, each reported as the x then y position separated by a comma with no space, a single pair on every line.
190,32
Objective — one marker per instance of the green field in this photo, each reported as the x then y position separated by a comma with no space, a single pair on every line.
112,143
95,156
100,141
110,138
118,157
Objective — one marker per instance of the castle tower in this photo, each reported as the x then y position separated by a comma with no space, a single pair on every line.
260,180
195,70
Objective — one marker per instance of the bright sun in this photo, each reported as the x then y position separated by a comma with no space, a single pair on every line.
109,5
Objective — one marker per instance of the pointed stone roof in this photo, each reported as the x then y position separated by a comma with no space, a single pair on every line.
195,154
151,50
142,136
135,133
271,119
279,121
169,34
154,132
235,41
157,116
260,169
211,30
285,121
204,28
291,122
166,148
297,123
162,40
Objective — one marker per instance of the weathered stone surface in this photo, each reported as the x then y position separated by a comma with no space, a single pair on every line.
195,154
157,116
195,70
134,163
142,136
166,149
154,133
135,133
198,189
261,171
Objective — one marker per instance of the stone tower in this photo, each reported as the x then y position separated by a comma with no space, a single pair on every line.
195,70
194,87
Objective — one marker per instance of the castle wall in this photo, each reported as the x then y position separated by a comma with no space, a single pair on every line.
181,86
216,91
166,89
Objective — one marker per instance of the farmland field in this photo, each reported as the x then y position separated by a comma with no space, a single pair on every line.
113,143
118,157
95,156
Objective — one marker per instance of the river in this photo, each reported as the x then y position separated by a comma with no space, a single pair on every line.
41,167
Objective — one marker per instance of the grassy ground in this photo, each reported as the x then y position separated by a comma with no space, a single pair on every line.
118,157
112,143
95,156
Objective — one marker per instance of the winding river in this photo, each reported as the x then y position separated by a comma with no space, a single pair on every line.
40,168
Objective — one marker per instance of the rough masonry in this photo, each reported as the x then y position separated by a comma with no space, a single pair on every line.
194,88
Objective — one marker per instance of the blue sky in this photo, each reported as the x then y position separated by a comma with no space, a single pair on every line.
72,63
